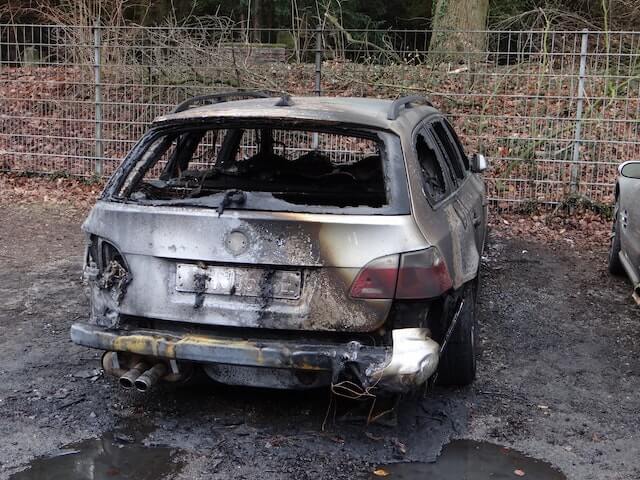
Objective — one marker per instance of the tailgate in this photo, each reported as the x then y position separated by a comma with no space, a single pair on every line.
273,270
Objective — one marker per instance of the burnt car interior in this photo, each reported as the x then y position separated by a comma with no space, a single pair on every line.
296,166
433,178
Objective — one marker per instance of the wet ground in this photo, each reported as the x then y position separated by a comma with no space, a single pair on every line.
558,381
119,456
114,456
473,460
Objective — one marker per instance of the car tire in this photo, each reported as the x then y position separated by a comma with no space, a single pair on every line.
615,265
457,366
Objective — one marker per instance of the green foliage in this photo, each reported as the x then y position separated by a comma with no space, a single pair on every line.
575,202
286,39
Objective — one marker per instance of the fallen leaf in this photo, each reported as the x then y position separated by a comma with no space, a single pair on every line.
381,472
519,472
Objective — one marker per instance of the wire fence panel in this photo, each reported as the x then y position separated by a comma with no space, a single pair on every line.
555,112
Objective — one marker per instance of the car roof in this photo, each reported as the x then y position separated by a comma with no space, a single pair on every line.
366,112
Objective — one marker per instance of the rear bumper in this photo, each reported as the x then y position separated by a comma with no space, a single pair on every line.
409,363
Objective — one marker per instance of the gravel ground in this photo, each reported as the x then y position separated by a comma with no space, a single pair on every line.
558,375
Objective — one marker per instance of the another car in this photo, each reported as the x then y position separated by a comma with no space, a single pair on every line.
624,252
291,242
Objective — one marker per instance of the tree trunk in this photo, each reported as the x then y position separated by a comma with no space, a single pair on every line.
256,16
460,16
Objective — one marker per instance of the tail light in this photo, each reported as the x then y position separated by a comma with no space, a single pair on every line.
423,274
417,275
377,279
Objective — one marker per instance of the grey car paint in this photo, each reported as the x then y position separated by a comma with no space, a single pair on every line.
329,248
628,221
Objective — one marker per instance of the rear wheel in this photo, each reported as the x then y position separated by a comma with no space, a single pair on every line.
457,366
615,265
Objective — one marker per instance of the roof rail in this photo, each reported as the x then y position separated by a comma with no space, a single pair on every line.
217,98
406,102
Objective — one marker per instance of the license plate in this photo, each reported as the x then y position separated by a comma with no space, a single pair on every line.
245,282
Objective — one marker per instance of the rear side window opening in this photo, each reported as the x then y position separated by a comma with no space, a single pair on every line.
433,182
264,168
452,148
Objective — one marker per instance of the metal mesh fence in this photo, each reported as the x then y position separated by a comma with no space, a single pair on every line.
555,112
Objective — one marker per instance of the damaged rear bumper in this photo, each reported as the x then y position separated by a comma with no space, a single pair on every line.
411,360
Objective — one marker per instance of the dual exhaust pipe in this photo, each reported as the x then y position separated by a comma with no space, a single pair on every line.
143,378
143,375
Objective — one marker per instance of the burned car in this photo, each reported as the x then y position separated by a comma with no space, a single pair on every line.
624,251
291,242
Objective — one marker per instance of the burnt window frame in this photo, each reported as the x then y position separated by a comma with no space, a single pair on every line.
458,144
423,129
391,152
457,168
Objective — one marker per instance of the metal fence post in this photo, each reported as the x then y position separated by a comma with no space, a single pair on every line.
580,100
318,86
99,148
318,89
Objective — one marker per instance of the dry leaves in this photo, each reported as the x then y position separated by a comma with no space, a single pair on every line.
73,192
583,229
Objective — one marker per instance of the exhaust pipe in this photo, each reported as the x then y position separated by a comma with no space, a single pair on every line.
111,366
127,380
150,377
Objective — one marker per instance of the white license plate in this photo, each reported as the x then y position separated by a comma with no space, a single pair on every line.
246,282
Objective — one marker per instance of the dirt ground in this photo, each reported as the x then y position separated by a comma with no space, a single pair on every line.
559,375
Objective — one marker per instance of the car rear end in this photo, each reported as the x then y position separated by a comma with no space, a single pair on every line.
280,257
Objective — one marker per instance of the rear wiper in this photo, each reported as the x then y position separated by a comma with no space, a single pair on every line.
231,196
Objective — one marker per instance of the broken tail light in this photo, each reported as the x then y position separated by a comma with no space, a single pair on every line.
102,253
106,266
410,276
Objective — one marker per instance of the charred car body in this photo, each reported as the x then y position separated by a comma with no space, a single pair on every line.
289,243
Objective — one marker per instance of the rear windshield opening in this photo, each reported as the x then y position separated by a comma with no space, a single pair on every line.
298,167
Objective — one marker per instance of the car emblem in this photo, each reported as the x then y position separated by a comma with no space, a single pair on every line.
236,242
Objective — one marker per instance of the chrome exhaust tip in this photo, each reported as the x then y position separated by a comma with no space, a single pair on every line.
127,380
149,378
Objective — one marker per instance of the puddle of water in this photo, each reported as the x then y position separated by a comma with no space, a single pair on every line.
471,460
113,457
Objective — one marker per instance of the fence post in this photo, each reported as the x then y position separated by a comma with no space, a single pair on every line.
318,89
580,100
99,148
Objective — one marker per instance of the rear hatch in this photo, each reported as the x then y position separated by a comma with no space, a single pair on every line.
256,227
